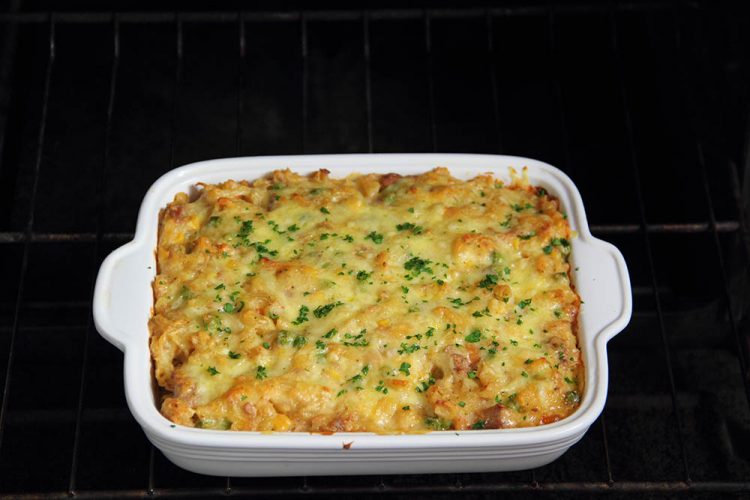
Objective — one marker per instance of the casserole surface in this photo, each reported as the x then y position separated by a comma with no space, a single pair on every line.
370,303
123,303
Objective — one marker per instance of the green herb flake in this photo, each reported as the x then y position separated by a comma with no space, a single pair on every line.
375,237
381,387
233,355
472,374
322,311
212,370
479,424
437,424
363,275
489,281
302,316
325,210
261,373
474,337
404,368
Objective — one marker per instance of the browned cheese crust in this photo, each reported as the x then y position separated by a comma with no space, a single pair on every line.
370,303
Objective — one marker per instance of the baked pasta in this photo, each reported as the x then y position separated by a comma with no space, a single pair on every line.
377,303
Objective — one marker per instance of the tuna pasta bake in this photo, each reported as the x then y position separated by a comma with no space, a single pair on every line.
380,303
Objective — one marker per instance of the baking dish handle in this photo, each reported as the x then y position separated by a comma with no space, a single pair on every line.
609,300
119,297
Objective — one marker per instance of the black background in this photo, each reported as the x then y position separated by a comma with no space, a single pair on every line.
645,105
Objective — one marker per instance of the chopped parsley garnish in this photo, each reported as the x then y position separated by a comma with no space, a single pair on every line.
212,370
358,340
472,374
341,392
425,384
322,311
524,374
363,275
416,266
404,368
462,403
458,302
214,221
408,226
260,372
540,191
266,345
572,397
479,424
299,341
348,238
381,387
245,229
375,237
405,289
488,281
233,355
302,316
527,236
319,344
330,333
185,293
474,336
524,303
408,349
436,423
325,210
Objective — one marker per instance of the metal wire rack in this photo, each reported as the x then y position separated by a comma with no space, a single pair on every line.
642,112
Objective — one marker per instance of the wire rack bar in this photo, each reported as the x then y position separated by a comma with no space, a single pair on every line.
305,77
687,96
730,226
556,72
587,487
29,225
614,46
100,182
430,78
368,79
10,237
493,79
103,17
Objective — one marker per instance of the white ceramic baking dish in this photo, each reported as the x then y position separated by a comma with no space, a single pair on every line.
123,301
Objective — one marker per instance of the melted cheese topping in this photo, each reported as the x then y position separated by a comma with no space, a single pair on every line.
372,303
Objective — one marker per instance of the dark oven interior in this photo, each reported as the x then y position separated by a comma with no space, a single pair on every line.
644,105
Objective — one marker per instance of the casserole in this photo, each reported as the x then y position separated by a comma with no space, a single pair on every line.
369,303
123,301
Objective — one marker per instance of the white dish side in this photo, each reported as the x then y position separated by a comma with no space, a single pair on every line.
123,300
